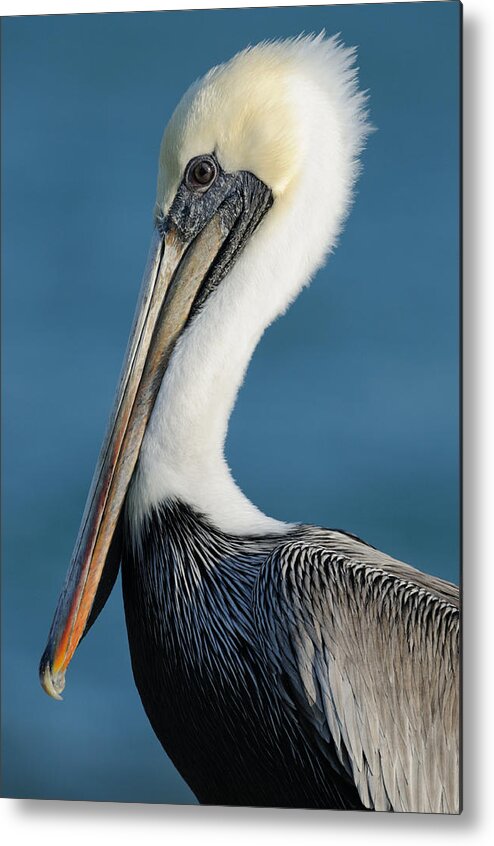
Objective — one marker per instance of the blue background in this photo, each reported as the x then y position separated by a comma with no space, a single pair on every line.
349,414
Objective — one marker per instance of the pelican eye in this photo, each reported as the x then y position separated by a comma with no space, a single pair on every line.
201,173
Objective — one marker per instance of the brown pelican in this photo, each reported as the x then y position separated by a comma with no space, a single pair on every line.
279,664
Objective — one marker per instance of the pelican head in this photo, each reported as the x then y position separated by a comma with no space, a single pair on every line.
256,174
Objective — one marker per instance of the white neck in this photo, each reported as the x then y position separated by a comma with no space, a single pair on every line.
182,455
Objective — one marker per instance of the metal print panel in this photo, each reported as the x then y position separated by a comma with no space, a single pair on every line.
281,652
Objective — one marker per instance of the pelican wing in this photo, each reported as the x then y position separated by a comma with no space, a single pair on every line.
365,649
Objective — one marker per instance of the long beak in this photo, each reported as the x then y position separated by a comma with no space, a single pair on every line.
173,278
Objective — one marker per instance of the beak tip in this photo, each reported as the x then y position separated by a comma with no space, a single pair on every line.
52,682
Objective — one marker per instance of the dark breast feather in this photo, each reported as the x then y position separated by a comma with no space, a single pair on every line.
229,716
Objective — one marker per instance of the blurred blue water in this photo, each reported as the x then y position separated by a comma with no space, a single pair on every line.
349,414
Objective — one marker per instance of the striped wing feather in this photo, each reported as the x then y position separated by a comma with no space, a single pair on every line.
367,651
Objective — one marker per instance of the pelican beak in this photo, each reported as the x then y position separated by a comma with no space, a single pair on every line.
191,251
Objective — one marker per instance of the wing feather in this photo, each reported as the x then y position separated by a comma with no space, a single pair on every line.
368,650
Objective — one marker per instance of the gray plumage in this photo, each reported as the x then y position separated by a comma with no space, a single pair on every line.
371,649
305,669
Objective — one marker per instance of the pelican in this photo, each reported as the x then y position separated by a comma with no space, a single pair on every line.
279,664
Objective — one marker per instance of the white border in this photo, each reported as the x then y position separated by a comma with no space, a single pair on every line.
82,823
45,7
